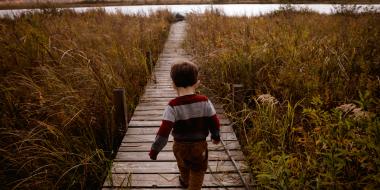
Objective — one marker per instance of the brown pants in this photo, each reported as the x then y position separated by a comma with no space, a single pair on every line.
192,158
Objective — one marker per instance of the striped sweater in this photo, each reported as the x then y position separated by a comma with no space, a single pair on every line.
190,118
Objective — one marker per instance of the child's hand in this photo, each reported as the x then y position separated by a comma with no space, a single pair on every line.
153,155
215,142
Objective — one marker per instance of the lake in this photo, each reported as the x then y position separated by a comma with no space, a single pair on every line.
228,9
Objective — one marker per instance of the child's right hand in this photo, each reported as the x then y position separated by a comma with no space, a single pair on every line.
215,142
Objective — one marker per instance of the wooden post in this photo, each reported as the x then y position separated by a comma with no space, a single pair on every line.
148,57
149,63
234,87
120,116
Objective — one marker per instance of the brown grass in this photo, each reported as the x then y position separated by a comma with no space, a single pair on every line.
94,3
58,70
311,64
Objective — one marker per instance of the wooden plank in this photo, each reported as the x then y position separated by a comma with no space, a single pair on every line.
155,86
150,107
164,93
152,84
159,117
163,78
143,147
169,156
134,123
149,96
164,100
162,83
153,130
159,112
159,90
171,167
152,90
147,112
145,103
163,72
171,180
178,188
151,137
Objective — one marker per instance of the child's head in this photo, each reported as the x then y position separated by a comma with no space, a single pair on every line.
184,74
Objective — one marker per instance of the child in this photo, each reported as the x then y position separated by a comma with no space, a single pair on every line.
191,117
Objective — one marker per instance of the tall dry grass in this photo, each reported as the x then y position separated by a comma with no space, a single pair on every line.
58,69
308,115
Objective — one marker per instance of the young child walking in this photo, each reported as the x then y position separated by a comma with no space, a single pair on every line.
190,118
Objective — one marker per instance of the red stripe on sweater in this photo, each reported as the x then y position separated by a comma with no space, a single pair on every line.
165,128
188,99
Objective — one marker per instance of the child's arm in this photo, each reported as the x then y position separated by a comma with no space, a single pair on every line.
163,133
214,125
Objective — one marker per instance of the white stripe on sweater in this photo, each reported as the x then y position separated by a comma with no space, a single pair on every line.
188,111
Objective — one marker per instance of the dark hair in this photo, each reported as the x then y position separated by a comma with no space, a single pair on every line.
184,74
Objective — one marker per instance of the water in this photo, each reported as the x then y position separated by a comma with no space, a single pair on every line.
228,9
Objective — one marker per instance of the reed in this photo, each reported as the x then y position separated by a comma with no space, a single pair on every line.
308,116
58,69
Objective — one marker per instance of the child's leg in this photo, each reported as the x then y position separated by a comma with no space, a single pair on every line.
192,160
180,153
199,155
185,174
196,179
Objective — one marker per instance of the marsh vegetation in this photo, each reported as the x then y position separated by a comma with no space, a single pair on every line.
58,69
308,114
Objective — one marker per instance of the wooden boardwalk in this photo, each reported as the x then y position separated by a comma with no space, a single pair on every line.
132,167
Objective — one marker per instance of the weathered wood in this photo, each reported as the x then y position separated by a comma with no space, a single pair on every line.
165,100
171,180
158,123
169,156
153,130
161,108
149,61
148,96
159,91
149,102
178,188
120,116
159,117
143,147
171,167
150,107
160,112
147,112
151,137
132,157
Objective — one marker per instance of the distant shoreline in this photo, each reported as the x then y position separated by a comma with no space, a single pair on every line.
8,5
